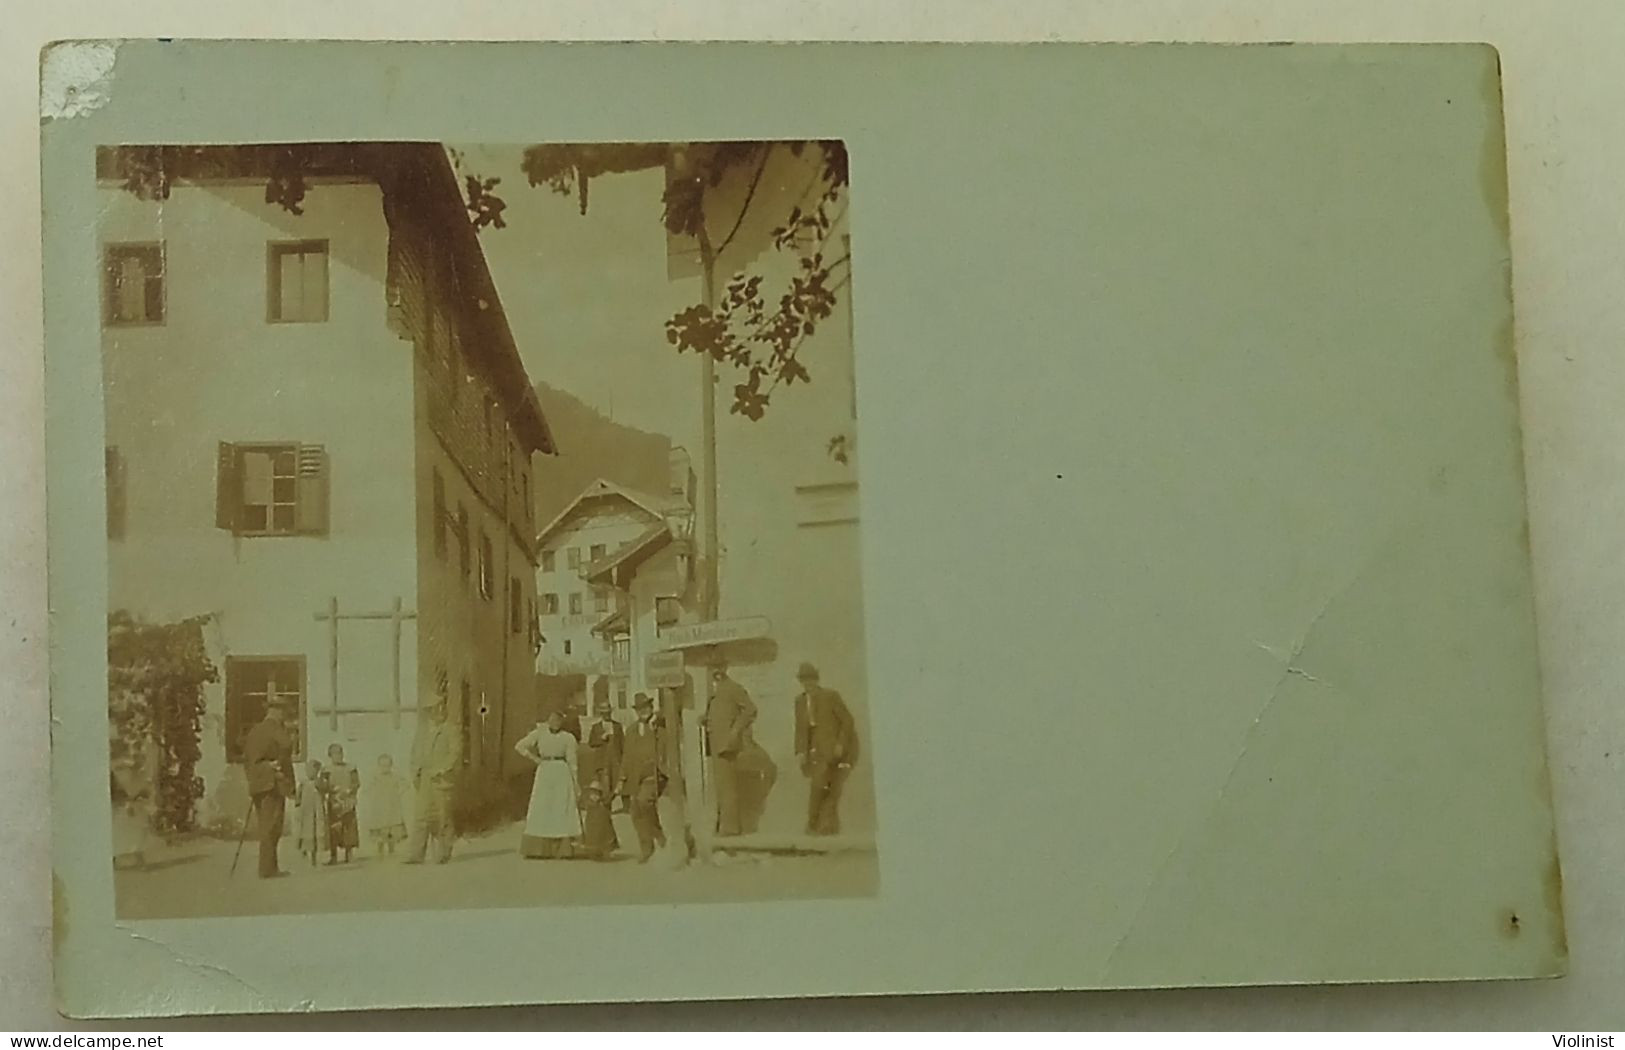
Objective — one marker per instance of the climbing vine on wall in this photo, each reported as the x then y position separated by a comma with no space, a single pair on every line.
156,673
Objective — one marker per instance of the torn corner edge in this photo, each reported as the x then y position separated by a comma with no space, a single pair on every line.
75,77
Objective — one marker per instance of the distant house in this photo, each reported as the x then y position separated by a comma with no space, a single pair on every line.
315,407
583,620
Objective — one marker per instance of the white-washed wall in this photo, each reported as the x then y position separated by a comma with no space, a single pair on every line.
787,509
217,370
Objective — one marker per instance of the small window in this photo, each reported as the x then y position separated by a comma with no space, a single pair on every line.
133,285
115,493
297,279
488,579
598,551
252,683
550,605
440,546
572,557
516,607
462,540
547,561
600,601
575,604
668,611
272,490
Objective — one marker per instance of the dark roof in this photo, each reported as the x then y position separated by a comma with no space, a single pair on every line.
630,554
415,176
653,505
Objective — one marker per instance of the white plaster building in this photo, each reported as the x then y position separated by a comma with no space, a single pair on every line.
318,407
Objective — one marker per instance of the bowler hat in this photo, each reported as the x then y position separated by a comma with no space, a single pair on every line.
642,700
806,671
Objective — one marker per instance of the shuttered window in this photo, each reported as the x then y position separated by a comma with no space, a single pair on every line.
133,284
296,273
115,493
488,578
272,490
462,540
439,515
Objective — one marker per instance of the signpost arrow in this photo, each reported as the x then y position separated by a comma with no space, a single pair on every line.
715,632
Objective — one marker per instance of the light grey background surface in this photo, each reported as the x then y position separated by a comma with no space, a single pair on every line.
1561,106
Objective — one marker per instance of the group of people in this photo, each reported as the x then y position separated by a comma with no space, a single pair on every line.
587,765
331,804
331,808
584,764
826,744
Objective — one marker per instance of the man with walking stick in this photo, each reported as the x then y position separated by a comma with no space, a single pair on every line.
268,762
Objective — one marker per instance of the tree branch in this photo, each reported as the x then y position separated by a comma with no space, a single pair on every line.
767,153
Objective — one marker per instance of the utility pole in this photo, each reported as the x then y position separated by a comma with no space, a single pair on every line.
700,814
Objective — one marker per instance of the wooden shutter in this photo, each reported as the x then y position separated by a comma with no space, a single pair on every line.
228,488
115,493
313,490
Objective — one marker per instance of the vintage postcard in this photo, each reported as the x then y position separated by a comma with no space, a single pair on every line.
456,531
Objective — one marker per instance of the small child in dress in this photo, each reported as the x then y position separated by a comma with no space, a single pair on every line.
598,840
341,783
310,821
385,811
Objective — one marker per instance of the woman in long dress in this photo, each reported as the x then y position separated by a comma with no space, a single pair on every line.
553,821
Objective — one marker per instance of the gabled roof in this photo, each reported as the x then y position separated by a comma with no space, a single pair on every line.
604,489
629,555
615,622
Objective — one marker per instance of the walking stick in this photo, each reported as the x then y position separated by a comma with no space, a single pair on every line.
241,836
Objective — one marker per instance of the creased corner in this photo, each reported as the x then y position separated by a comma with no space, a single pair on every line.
76,78
205,969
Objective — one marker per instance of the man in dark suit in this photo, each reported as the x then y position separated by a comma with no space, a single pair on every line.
268,763
643,776
827,746
728,719
599,757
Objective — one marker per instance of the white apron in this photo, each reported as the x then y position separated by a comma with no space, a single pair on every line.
553,813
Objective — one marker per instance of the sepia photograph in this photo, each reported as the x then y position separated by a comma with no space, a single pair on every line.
482,526
466,536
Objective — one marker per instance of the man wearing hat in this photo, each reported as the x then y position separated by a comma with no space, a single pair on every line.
728,718
268,764
642,775
600,736
827,746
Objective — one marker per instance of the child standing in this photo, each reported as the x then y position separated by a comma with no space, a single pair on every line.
386,814
341,783
309,817
597,827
